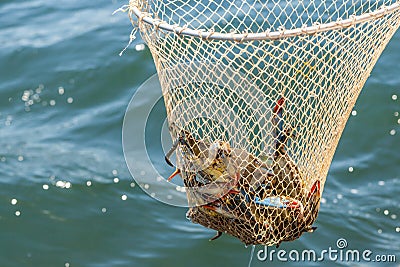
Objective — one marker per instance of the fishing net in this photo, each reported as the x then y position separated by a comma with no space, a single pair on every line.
257,95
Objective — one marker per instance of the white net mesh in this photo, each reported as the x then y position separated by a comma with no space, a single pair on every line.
257,96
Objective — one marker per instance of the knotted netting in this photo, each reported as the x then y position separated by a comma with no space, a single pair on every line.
257,94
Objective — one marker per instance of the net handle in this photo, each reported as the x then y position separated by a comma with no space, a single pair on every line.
267,35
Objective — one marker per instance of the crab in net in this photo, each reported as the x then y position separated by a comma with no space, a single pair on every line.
256,177
258,200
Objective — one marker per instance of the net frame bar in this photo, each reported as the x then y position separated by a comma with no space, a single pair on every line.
134,10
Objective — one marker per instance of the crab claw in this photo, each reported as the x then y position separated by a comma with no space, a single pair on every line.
279,104
278,113
294,204
234,192
315,189
209,207
176,172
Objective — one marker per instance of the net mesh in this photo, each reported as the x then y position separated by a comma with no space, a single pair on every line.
257,95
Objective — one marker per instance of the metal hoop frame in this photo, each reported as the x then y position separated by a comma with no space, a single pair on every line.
267,35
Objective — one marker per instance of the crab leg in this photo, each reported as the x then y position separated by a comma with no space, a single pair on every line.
175,173
217,235
169,153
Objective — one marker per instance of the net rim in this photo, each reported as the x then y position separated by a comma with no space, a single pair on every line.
267,35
